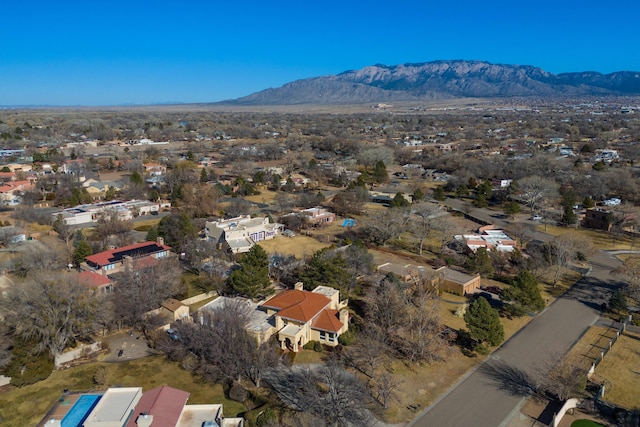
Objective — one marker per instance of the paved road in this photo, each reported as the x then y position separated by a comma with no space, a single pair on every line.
492,393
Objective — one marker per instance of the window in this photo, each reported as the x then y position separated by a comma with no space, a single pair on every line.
322,335
332,337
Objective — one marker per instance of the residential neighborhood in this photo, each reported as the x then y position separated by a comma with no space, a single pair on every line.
263,262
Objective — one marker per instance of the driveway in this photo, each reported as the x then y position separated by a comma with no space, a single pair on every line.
133,346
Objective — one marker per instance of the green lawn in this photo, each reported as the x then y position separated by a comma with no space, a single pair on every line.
26,406
585,423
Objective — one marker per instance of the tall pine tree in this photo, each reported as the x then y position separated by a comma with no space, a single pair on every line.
252,278
484,322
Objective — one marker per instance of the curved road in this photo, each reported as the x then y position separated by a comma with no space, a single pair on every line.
491,394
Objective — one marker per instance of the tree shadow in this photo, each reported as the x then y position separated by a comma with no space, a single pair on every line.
510,379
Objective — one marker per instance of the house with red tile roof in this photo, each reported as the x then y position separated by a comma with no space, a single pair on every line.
93,280
10,191
302,316
141,255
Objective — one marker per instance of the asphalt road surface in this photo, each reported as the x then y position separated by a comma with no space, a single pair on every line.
490,396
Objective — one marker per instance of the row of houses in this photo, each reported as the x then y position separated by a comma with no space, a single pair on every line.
84,214
131,407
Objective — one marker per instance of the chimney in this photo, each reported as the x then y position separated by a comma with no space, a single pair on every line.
160,240
128,263
344,317
298,286
144,420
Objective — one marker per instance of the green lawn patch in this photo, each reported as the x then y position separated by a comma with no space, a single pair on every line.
585,423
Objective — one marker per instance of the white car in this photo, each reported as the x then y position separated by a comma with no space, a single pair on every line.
536,218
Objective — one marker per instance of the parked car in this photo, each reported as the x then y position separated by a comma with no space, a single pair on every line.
120,353
536,218
494,290
485,295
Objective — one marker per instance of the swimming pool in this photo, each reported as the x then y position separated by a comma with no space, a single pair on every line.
80,410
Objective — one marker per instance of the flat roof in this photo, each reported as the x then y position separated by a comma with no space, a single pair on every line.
115,406
197,415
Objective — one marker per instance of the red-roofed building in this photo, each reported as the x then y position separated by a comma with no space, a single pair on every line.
10,191
96,281
161,406
302,316
140,255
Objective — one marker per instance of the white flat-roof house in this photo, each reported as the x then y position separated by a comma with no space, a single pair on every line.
239,234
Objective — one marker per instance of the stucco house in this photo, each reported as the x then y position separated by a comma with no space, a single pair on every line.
443,278
174,309
241,233
488,237
302,316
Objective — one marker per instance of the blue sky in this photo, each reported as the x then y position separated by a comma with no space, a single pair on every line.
111,52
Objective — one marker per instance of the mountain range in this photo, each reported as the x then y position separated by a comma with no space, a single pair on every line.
440,80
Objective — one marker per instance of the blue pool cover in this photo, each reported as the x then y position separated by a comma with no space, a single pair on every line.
81,410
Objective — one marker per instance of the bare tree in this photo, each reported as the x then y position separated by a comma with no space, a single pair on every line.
327,392
385,388
224,348
559,378
369,351
143,288
535,189
52,308
381,228
629,272
422,222
111,224
565,249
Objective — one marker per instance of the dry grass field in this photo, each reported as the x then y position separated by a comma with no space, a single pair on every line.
300,246
620,371
588,349
600,239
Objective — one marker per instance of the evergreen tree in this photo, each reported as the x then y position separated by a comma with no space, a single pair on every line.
569,217
26,365
380,173
438,193
480,262
326,268
480,201
111,193
417,195
511,208
398,201
152,234
136,179
617,301
484,322
252,278
588,203
204,176
82,250
525,292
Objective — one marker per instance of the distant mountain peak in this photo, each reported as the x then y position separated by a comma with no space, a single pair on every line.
443,79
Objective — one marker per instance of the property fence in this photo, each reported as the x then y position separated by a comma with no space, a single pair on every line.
573,403
608,347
